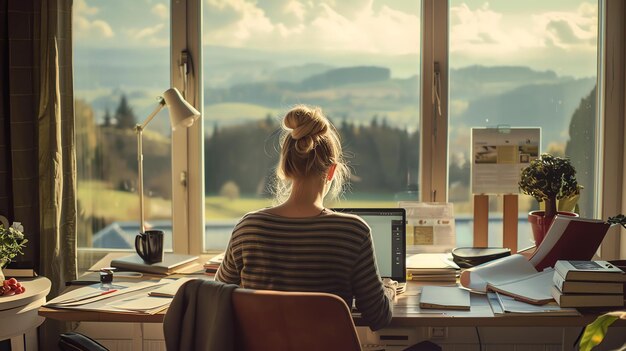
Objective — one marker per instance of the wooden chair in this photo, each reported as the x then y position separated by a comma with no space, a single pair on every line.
286,321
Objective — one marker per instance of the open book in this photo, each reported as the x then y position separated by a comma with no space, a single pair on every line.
514,276
569,238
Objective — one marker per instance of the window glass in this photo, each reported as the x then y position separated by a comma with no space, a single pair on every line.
522,64
358,60
121,65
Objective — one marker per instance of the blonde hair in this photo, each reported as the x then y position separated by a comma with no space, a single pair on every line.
310,144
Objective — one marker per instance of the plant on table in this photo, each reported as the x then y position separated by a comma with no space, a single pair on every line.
550,179
12,242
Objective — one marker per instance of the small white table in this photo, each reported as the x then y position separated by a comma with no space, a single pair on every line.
19,313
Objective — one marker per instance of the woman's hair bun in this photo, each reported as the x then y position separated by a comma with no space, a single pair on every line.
305,122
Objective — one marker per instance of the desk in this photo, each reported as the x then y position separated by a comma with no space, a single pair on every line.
406,315
18,314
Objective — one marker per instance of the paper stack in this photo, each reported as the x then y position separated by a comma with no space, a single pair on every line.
588,284
211,266
431,267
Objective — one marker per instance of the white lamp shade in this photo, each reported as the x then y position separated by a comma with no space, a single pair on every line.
182,114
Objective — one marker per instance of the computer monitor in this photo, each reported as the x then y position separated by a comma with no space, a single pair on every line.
389,235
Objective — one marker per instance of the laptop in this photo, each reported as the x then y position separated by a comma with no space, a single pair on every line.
389,235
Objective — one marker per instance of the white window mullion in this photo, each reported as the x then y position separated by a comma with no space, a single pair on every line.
187,163
611,131
434,128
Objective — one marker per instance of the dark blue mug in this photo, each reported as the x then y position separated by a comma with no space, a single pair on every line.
149,246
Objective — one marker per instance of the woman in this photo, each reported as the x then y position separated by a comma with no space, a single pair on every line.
299,245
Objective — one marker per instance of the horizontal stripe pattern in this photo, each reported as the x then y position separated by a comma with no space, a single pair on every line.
332,253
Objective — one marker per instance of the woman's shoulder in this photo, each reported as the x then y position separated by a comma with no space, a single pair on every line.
255,215
349,218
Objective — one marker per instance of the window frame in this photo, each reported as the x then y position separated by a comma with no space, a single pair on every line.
187,150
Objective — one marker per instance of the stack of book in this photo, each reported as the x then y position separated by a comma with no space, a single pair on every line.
431,267
211,266
588,284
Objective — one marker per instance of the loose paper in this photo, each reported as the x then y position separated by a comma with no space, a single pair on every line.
430,226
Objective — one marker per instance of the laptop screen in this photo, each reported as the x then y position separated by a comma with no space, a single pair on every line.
389,235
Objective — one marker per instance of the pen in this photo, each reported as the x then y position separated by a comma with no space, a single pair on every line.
87,296
82,282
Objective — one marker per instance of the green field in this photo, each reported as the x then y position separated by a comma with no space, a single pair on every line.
97,199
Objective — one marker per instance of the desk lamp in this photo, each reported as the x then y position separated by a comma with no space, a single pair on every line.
182,114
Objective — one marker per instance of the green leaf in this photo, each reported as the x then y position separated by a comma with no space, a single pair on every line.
594,333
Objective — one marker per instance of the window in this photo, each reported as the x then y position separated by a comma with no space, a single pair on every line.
121,65
362,62
523,64
359,61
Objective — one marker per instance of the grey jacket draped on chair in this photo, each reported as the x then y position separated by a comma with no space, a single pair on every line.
200,317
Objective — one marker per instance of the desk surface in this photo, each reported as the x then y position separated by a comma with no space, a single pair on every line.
406,313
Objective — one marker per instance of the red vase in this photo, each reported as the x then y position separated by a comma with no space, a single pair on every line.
540,224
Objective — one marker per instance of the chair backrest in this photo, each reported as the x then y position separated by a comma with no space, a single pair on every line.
285,321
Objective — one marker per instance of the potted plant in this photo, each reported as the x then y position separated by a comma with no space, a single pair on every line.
548,179
12,241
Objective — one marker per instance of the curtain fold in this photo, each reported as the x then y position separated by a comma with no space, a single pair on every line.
57,154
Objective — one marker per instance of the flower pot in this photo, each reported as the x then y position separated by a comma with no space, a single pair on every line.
540,225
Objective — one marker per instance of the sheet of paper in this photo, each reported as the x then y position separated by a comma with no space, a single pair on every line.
77,297
510,305
144,304
430,261
499,155
430,226
498,271
170,289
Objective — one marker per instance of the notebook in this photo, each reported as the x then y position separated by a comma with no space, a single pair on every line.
172,263
445,298
389,236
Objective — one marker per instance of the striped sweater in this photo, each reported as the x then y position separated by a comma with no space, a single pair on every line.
331,253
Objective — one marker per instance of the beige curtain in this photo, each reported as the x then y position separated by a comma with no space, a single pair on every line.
57,154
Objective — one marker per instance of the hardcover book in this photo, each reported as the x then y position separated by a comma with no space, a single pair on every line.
597,271
587,300
569,238
172,263
586,287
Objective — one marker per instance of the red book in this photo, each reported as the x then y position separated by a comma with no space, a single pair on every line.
569,238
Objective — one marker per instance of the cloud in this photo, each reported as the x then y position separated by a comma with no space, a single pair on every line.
86,29
154,35
570,30
246,21
483,31
89,28
81,8
305,25
162,11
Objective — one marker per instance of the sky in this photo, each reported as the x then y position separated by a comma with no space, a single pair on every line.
534,33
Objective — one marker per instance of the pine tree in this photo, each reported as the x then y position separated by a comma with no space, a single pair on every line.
124,115
107,118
